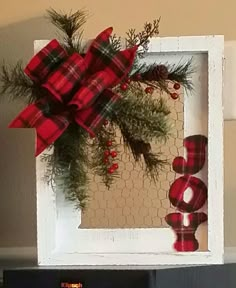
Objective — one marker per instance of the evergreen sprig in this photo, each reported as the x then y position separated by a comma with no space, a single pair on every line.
181,73
142,39
16,84
143,117
141,120
71,25
71,155
99,146
154,164
115,42
143,151
68,164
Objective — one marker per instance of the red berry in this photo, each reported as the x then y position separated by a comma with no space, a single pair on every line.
115,166
105,122
124,87
106,153
176,86
105,160
174,96
138,77
113,154
149,90
109,143
128,80
111,170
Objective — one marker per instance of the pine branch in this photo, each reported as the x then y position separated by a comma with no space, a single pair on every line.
158,76
141,150
142,38
101,163
154,164
72,154
142,117
68,164
71,26
115,42
16,84
182,73
137,147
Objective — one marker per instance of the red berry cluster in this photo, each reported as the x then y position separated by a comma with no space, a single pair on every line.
175,95
113,154
124,86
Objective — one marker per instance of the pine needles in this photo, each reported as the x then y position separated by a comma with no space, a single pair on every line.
182,74
67,166
139,117
142,117
71,25
142,38
100,162
16,84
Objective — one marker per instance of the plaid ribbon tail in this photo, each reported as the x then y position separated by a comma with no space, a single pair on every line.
94,50
101,56
48,128
45,61
92,118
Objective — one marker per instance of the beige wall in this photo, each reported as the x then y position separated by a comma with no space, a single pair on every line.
21,22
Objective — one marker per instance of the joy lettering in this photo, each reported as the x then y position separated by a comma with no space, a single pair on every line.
195,158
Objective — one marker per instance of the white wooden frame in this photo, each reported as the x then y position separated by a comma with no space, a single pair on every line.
47,234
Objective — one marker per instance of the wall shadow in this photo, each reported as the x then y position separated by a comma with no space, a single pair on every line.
17,162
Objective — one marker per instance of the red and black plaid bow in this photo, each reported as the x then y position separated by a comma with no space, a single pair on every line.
77,89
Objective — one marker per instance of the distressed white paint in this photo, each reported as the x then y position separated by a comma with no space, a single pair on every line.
59,240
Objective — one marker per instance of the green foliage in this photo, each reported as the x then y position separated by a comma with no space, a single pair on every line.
99,146
142,38
182,74
116,42
16,84
67,166
141,120
139,117
71,25
142,117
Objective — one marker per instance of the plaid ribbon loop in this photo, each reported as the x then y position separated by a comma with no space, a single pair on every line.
80,87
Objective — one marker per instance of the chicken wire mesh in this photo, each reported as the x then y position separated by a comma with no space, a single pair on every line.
134,201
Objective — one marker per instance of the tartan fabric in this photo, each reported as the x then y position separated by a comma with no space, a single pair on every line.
196,154
116,63
199,193
76,88
185,240
91,121
45,61
48,128
66,78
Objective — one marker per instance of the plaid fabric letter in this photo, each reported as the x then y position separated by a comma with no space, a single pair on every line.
196,153
199,193
186,240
